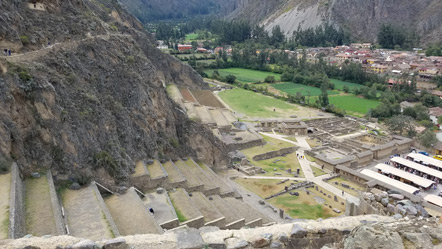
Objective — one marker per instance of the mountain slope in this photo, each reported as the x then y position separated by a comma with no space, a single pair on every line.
361,17
94,102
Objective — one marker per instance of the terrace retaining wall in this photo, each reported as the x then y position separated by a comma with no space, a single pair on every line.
56,207
273,154
17,222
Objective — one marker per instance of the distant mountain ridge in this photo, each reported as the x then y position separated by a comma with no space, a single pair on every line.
361,18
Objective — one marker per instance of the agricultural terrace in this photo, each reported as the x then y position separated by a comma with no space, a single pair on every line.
256,105
245,75
293,88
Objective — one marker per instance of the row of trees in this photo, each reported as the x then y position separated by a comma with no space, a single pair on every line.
395,37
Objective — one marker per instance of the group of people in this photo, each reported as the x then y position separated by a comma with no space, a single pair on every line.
7,52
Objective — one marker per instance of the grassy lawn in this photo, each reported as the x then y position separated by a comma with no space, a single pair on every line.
305,206
317,171
255,104
291,139
349,183
246,75
263,187
293,88
339,84
353,103
311,159
198,56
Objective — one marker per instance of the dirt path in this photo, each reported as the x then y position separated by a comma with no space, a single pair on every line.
5,187
39,215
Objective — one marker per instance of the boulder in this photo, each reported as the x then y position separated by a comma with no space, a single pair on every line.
160,190
85,244
283,238
377,197
235,243
35,175
276,245
390,208
365,237
298,231
259,241
75,186
396,196
384,201
118,243
420,240
411,210
261,202
397,216
149,161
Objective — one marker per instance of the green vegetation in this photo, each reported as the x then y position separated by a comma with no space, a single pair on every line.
24,39
262,187
293,88
246,75
339,84
353,103
271,144
255,104
5,222
179,214
191,36
303,210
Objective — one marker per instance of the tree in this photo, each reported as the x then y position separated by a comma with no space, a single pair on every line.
346,89
269,79
278,36
286,77
439,120
400,123
409,111
230,79
422,112
428,138
323,98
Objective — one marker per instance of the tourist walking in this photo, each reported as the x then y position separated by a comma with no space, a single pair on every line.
342,192
5,52
9,52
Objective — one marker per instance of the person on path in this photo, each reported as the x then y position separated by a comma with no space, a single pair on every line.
342,192
9,52
5,52
151,210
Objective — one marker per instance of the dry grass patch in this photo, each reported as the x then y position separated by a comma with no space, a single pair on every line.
354,185
263,187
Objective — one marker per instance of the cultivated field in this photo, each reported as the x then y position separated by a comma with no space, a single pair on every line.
293,88
206,97
246,75
339,84
353,103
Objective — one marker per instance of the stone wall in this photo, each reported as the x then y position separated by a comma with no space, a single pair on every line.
273,154
17,222
300,234
55,203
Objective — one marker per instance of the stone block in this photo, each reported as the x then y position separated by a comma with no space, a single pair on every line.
118,243
298,231
189,239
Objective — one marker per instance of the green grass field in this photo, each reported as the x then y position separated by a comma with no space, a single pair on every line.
353,103
191,36
246,75
293,88
254,104
339,84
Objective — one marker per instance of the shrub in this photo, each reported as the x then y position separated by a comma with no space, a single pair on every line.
24,75
24,39
269,79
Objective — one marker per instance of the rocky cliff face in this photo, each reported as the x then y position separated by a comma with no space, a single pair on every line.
84,93
362,18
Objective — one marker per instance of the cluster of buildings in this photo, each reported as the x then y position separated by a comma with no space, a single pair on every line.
391,63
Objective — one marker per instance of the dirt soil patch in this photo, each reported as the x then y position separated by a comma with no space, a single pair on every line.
187,95
206,97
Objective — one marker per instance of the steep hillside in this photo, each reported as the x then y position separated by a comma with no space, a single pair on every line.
361,17
93,102
158,10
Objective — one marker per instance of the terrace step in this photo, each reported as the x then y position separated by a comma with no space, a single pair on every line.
43,216
158,175
5,189
233,219
130,215
187,213
252,216
204,115
211,216
219,118
228,115
225,189
164,212
175,178
193,181
87,215
140,178
210,187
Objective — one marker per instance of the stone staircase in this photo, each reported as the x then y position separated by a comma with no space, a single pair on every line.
186,211
211,215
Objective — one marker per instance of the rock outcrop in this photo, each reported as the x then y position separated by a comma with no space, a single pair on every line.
369,231
84,93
